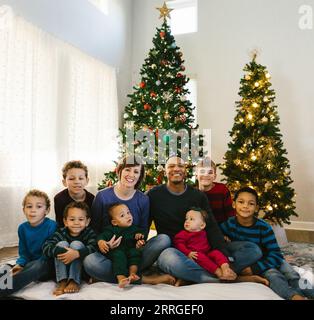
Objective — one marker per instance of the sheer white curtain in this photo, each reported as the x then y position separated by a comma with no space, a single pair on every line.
56,104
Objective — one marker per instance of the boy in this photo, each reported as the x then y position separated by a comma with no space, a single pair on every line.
75,179
126,257
31,265
217,193
247,227
70,245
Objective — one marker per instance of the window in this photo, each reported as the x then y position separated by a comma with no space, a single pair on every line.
183,17
102,5
192,97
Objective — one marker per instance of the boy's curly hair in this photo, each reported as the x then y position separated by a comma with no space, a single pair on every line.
79,205
38,194
74,164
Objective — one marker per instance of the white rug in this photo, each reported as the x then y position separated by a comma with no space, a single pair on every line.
107,291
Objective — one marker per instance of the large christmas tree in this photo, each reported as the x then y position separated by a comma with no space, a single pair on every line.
256,156
159,102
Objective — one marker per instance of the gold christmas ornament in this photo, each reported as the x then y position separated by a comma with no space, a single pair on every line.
255,105
256,84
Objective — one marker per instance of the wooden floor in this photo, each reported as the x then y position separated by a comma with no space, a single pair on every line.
7,253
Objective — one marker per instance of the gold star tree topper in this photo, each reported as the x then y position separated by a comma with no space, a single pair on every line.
164,11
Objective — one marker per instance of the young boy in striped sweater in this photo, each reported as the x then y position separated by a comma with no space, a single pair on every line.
70,245
245,226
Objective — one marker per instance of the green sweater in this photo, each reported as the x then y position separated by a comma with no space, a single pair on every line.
87,237
128,235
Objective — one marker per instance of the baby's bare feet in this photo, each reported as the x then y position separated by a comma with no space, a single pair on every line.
157,279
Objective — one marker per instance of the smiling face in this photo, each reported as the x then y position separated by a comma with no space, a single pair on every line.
35,210
76,221
129,176
75,181
194,221
175,170
206,177
245,206
121,216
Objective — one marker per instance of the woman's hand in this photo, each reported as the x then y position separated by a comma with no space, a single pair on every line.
68,256
103,246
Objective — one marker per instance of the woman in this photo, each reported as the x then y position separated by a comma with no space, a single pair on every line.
130,175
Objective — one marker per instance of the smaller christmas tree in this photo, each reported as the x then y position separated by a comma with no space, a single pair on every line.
256,156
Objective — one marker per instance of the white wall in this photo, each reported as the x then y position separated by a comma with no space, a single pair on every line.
217,53
78,22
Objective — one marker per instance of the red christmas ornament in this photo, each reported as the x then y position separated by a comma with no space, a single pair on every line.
183,118
159,180
164,62
182,109
179,75
142,84
153,94
162,34
147,106
177,89
182,68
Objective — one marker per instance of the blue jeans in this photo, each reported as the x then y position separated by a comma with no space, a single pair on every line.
176,263
73,270
99,266
36,270
285,282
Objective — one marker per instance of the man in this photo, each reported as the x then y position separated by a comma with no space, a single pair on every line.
168,206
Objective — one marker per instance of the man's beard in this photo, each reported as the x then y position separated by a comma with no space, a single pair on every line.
177,182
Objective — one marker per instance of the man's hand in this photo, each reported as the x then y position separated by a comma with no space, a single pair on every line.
68,256
227,239
16,269
193,255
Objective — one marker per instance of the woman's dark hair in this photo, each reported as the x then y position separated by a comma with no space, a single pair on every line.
248,190
129,162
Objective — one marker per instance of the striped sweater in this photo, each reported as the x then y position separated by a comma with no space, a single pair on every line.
87,237
260,233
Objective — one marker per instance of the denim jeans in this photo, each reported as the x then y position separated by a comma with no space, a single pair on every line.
37,270
99,266
285,282
176,263
73,270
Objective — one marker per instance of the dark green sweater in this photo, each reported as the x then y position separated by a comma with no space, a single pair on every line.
168,211
87,237
128,235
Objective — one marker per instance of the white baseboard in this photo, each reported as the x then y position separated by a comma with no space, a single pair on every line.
300,225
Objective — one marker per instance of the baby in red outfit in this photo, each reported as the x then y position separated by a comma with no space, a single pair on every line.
193,243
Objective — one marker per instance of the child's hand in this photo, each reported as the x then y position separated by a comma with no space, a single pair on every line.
140,244
227,239
103,246
16,269
68,256
193,255
139,236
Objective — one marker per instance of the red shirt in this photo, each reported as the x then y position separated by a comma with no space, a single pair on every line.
187,241
219,199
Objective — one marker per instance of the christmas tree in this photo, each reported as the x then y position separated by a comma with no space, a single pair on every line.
158,104
256,156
